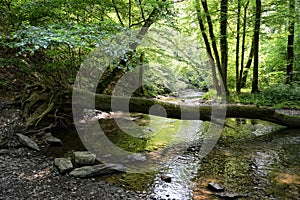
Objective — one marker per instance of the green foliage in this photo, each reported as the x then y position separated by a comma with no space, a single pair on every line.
73,35
62,32
58,46
278,96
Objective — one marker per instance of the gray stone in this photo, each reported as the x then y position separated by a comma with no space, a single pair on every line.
229,195
84,158
53,141
137,157
4,151
3,142
63,164
96,170
215,187
26,141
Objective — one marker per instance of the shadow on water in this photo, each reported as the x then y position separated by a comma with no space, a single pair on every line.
253,158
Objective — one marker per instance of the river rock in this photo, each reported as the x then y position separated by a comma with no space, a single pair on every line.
96,170
3,142
229,195
63,164
84,158
166,178
53,141
26,141
4,151
215,187
137,157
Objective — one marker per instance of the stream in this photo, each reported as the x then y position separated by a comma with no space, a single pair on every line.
252,159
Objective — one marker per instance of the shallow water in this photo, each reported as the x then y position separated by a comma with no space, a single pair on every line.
254,159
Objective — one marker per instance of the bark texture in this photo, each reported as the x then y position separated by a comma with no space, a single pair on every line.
173,110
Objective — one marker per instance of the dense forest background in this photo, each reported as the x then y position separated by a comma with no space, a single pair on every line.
254,44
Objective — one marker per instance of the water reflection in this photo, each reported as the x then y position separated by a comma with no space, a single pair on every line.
260,167
254,159
182,170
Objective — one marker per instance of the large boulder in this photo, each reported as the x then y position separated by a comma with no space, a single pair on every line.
63,164
26,141
96,170
84,158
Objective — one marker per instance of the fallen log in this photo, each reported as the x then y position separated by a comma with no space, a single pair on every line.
85,99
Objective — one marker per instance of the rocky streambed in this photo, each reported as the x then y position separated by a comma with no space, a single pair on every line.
252,160
28,174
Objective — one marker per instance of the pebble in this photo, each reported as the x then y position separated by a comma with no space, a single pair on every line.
40,180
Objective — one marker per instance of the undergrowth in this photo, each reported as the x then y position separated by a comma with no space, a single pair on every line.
276,96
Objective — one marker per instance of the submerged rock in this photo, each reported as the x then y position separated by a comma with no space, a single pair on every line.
84,158
63,164
96,170
26,141
215,187
166,178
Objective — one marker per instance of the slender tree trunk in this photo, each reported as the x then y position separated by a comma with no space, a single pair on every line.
290,46
149,21
129,13
212,37
248,65
237,48
223,41
243,48
207,46
141,73
256,47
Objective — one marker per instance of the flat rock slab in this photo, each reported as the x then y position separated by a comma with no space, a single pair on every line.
84,158
63,164
26,141
96,170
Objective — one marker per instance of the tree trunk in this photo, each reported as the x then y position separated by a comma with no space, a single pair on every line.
173,110
290,46
223,42
248,65
237,48
213,38
208,48
256,47
110,78
243,50
141,73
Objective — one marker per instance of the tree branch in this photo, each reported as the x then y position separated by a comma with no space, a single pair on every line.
117,12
